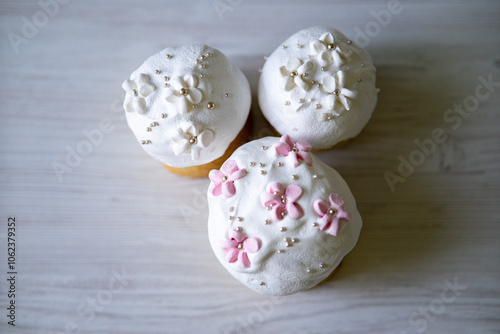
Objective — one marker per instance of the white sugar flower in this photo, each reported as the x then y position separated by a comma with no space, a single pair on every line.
295,74
337,93
136,92
330,51
189,139
184,92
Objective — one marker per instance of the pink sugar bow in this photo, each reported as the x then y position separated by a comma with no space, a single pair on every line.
294,152
331,214
238,246
281,201
225,177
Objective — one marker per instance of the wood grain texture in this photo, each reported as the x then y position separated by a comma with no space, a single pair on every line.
120,211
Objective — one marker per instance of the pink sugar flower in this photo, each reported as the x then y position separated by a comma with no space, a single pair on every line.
294,152
225,177
238,246
282,201
331,214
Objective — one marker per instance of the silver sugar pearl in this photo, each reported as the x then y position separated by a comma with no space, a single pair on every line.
326,117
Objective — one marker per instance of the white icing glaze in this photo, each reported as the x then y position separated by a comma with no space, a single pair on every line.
322,102
305,246
178,95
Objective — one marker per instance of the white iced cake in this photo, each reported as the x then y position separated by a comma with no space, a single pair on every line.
186,104
280,219
318,86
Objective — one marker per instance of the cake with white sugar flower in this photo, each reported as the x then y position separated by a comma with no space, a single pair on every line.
188,107
280,220
318,86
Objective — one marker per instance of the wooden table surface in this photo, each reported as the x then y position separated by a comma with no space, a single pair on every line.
110,242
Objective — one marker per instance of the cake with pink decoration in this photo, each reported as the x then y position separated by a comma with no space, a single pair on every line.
280,220
318,86
188,108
